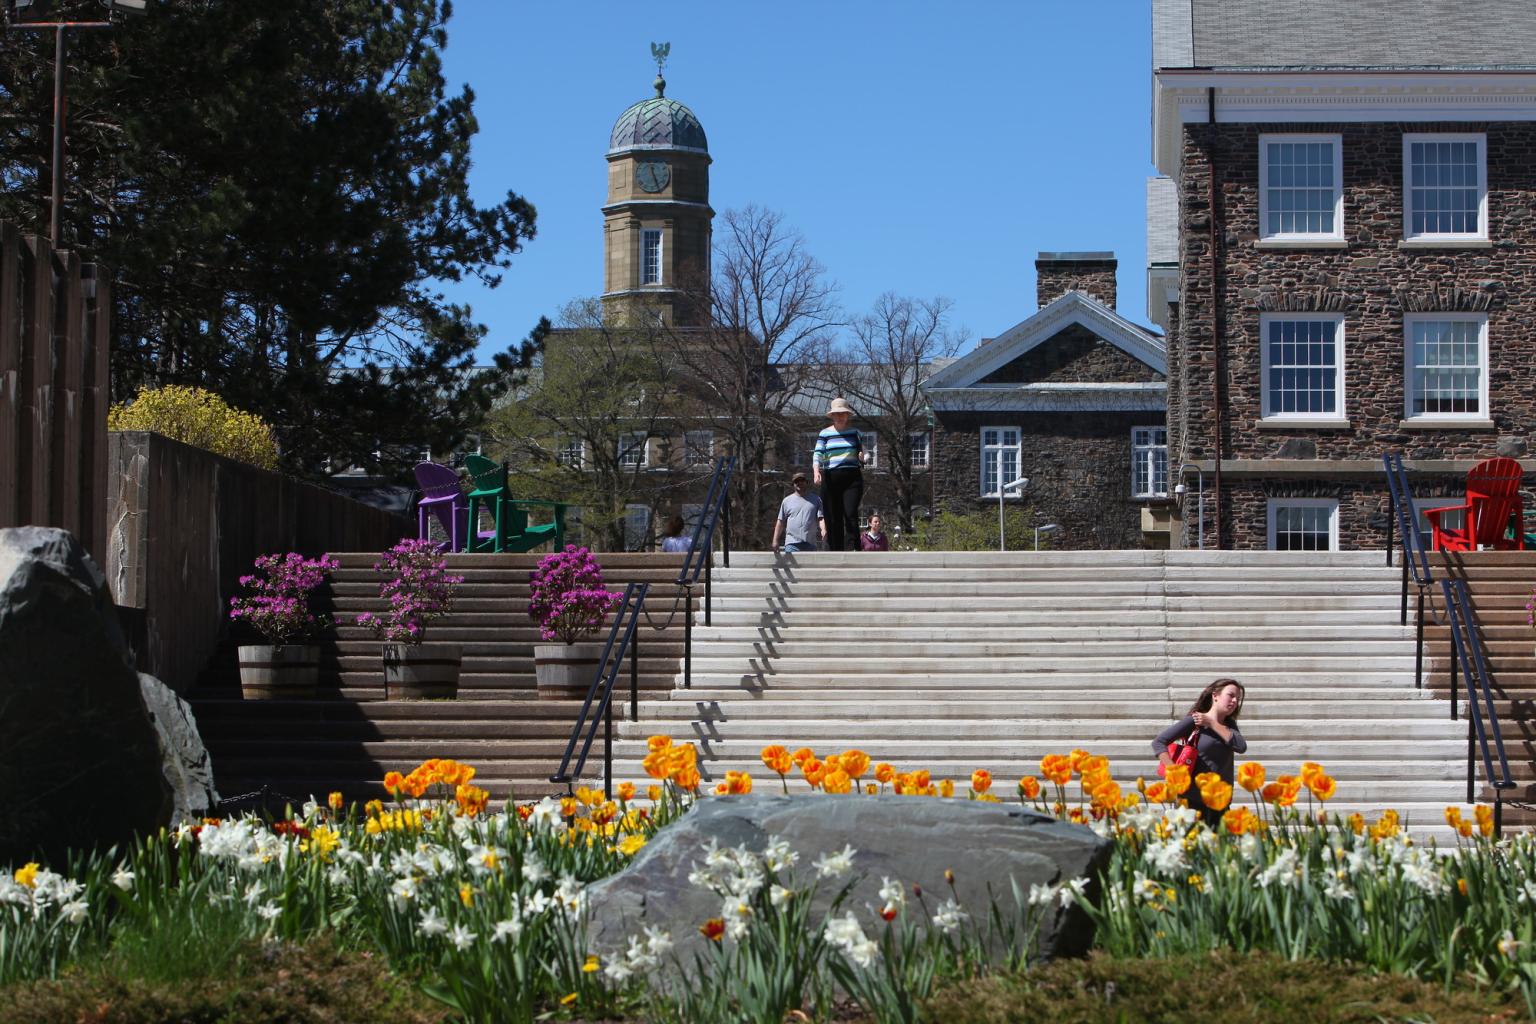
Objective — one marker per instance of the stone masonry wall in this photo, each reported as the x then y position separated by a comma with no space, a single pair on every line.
1372,281
1054,278
1079,465
1074,355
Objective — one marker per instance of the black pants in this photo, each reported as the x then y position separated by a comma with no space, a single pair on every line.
841,491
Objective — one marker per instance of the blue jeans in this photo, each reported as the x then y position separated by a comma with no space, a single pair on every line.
800,546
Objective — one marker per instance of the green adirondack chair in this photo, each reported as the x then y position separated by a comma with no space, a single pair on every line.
512,532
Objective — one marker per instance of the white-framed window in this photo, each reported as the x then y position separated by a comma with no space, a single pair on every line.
1000,454
1450,521
917,450
698,447
572,453
632,451
637,527
1303,524
1303,371
871,442
1301,187
1445,186
1446,366
650,256
1149,462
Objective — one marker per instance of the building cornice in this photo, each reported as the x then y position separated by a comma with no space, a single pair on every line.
1126,396
1182,97
688,203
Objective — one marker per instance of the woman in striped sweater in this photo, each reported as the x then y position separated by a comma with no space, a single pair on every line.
837,464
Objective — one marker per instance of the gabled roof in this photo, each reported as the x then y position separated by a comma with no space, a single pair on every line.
1051,319
1344,34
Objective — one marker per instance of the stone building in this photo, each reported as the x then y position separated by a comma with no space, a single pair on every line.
1073,399
1351,196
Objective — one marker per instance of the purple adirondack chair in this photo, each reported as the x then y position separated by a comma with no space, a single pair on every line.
442,497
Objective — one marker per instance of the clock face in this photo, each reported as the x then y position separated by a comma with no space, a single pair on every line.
653,175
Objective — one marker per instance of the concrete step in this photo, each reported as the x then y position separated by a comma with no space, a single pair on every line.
1259,708
891,729
1279,693
936,679
1143,557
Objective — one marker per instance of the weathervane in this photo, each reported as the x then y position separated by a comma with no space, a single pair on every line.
659,53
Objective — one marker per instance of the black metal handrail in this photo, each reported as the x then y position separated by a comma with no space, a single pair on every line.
1415,559
1467,653
715,511
599,703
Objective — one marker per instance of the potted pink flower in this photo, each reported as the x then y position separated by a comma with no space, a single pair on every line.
569,602
417,589
277,607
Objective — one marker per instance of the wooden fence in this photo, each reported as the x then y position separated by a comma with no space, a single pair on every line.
55,331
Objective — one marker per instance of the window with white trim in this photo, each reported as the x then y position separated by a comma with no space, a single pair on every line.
1301,190
917,450
871,443
572,453
698,447
637,527
1448,521
1303,524
1303,369
632,453
1446,366
1000,455
650,256
1149,462
1445,186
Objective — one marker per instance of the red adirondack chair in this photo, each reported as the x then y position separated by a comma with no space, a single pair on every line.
1492,508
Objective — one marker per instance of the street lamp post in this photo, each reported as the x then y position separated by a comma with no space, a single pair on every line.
60,27
1002,490
1047,528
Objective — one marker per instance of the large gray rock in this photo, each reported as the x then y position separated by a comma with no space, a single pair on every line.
79,760
914,840
184,760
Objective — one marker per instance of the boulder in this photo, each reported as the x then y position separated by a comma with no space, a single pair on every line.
80,764
184,761
991,848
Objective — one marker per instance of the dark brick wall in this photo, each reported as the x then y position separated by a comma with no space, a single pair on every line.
1073,355
1363,506
1054,278
1372,282
1079,465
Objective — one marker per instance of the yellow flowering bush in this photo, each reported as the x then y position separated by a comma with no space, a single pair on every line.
201,419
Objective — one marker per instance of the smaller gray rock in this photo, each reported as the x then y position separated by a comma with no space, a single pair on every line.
184,760
1511,447
991,848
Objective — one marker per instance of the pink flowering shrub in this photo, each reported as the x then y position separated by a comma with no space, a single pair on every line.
278,605
418,588
568,599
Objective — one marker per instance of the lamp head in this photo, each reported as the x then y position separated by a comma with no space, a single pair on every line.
1049,528
1018,484
1181,489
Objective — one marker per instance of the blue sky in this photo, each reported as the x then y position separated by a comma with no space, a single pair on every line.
923,148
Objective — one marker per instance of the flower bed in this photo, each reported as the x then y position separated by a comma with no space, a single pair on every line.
488,908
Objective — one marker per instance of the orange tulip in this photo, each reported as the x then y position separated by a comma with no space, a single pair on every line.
947,788
687,778
854,762
1077,757
981,780
1177,779
1251,776
1157,793
921,779
1217,796
1029,787
775,753
884,773
1322,786
836,781
393,782
803,754
1309,769
738,783
656,743
657,764
626,791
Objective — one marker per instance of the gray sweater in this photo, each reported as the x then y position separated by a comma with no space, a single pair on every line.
1215,753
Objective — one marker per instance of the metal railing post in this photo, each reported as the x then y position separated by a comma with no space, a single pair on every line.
1404,610
634,677
1471,773
725,536
608,751
1391,515
708,590
1454,662
688,640
1418,647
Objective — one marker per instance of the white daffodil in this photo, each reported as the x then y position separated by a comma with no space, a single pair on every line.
1337,886
269,911
835,865
1073,891
74,911
892,893
461,937
778,856
431,923
778,895
657,942
508,929
949,916
123,879
1042,895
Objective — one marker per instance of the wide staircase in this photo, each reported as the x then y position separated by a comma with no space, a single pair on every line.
954,661
1500,584
348,738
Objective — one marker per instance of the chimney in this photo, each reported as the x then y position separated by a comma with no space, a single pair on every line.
1092,273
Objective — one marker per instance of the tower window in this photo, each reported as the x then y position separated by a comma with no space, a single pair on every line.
650,256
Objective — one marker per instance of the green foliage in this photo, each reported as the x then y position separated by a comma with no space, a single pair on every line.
1220,987
953,530
199,418
275,189
260,984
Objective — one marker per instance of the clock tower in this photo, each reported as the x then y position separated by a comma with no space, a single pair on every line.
656,222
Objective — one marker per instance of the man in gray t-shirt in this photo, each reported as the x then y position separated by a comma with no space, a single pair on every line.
802,513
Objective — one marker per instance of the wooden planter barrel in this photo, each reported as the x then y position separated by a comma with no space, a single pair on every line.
270,672
422,671
565,671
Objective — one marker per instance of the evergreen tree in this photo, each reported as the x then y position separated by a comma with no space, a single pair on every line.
277,188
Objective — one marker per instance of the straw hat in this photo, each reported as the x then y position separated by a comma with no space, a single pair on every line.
838,405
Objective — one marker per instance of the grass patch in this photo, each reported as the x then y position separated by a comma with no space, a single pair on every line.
288,984
1219,988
